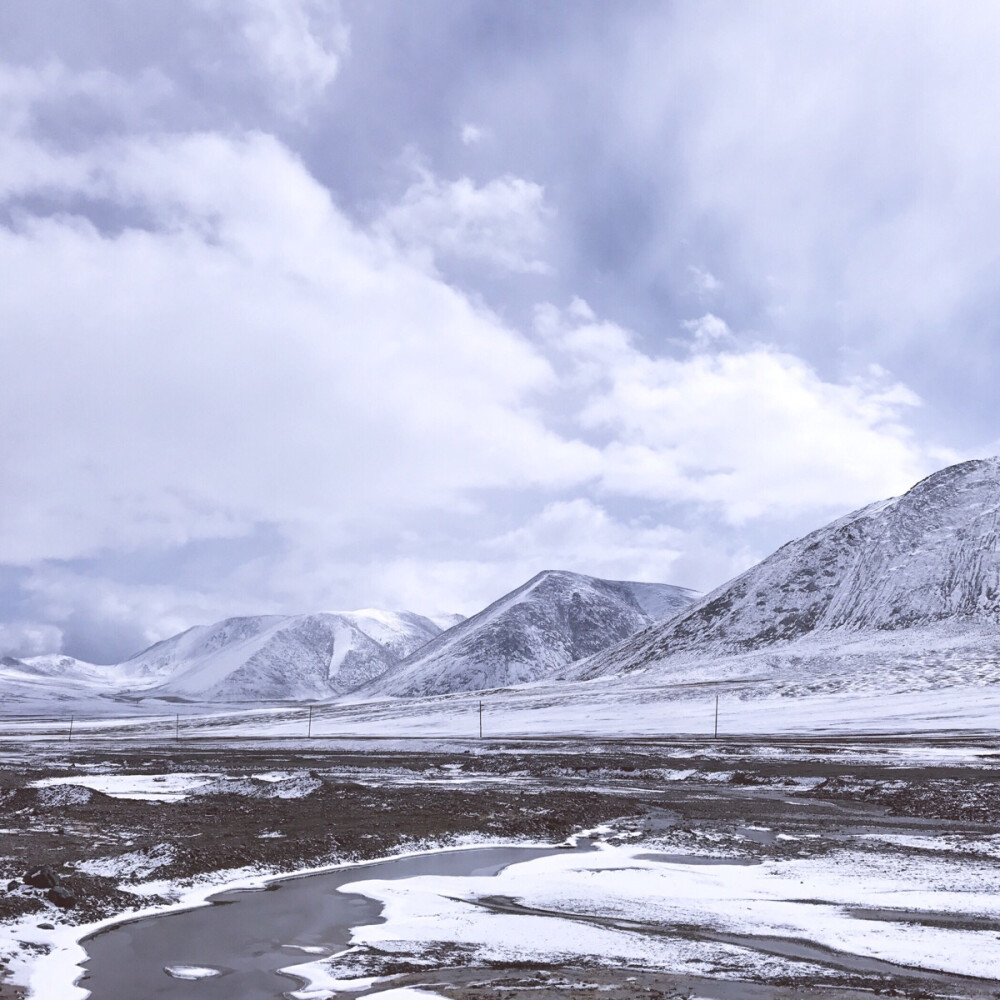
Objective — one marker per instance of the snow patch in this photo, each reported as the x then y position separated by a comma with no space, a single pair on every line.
64,795
148,787
190,972
134,864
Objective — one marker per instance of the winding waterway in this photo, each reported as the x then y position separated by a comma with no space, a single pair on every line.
247,935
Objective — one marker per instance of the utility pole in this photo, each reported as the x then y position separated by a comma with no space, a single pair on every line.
70,737
310,730
480,720
716,717
177,726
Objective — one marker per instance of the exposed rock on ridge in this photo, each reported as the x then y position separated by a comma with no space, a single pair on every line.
927,557
552,620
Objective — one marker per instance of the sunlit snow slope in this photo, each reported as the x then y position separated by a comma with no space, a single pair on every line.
272,657
552,620
905,575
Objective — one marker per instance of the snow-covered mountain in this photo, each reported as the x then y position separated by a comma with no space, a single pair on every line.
52,679
552,620
923,564
277,658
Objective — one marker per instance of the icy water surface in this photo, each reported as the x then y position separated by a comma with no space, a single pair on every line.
247,935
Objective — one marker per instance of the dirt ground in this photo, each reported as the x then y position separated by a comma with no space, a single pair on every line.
371,802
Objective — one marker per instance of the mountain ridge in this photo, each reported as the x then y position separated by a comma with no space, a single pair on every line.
553,619
926,557
279,657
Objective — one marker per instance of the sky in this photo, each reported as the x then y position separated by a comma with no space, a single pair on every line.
312,306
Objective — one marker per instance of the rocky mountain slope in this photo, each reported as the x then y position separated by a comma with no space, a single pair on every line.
926,562
552,620
274,657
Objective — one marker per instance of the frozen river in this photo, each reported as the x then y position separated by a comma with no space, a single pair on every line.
246,936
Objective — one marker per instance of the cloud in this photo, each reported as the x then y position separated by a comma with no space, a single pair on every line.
103,620
240,354
834,161
582,536
753,432
709,332
202,345
704,282
829,165
472,134
95,99
20,639
299,45
502,223
468,574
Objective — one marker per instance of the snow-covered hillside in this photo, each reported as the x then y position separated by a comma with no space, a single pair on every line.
927,560
552,620
276,658
55,680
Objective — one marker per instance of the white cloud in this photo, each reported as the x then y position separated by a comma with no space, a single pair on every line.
247,356
705,284
580,309
299,44
231,351
709,332
472,134
753,432
29,638
93,607
581,536
576,535
502,223
28,91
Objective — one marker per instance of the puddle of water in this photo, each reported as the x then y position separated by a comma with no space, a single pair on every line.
963,921
811,952
758,835
694,859
245,935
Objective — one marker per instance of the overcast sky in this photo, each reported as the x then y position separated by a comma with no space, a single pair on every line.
313,306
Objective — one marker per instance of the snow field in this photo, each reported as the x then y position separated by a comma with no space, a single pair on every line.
621,709
807,899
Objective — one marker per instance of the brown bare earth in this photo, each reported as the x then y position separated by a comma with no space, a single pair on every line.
370,801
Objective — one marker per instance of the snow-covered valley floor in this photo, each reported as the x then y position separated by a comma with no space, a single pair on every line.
931,915
725,868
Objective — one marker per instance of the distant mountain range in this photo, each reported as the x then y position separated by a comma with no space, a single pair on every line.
902,595
52,680
552,620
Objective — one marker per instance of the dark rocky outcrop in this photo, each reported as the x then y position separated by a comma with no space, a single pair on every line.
42,877
62,896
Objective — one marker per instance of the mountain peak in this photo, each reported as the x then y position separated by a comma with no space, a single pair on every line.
554,618
927,557
276,657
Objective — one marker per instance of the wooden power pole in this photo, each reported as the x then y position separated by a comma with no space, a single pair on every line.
310,730
716,717
480,720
